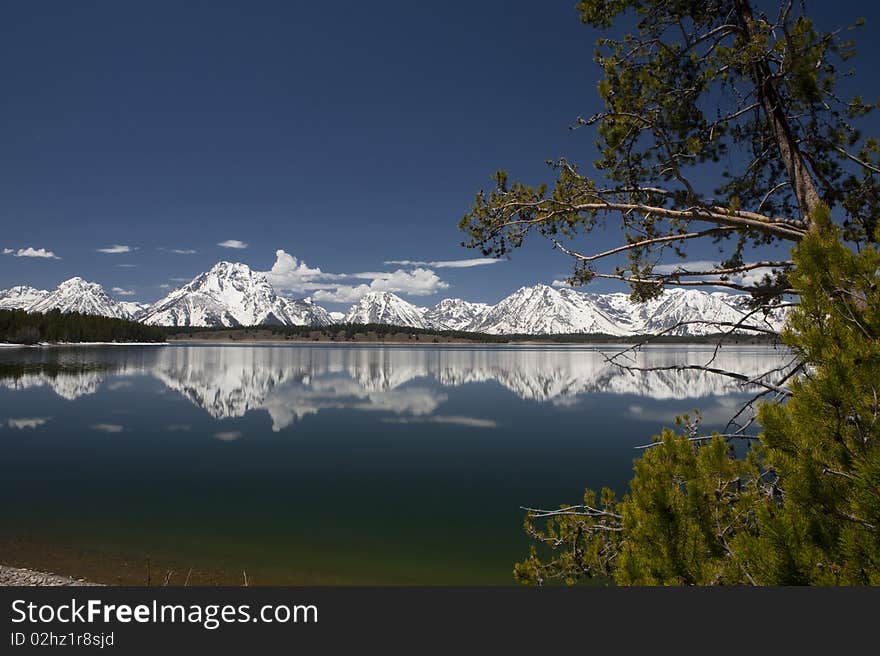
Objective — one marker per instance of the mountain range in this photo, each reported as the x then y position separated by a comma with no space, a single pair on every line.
232,294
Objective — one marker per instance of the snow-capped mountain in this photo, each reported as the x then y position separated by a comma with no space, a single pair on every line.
78,295
454,314
134,308
543,310
21,297
304,312
385,307
231,294
681,305
666,313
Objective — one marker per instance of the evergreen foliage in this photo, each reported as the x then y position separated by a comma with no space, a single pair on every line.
383,332
741,92
20,327
802,506
745,93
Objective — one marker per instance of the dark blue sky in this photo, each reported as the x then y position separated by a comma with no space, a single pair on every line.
347,134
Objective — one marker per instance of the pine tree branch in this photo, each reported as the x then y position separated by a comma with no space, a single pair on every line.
642,243
703,438
581,510
783,228
751,266
671,279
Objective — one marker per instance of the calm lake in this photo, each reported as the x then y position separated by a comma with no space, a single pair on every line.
314,464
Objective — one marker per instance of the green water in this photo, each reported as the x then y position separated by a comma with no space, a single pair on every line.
327,464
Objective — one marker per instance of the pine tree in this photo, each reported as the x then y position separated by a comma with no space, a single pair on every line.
801,507
744,92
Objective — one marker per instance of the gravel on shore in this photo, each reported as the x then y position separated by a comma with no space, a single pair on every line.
10,576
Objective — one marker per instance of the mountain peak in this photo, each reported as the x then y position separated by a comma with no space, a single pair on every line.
231,294
21,297
382,295
79,295
224,265
385,307
76,281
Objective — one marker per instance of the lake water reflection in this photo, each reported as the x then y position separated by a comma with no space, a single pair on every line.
329,464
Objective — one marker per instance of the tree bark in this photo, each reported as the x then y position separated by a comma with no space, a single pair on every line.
768,96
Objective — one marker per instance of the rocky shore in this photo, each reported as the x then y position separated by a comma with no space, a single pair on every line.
28,577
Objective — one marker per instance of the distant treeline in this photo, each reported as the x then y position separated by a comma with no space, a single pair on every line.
20,327
383,332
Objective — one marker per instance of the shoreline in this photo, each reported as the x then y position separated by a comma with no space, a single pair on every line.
387,342
36,561
226,341
67,344
23,577
516,344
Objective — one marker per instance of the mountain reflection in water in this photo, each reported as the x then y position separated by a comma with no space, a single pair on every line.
292,382
323,464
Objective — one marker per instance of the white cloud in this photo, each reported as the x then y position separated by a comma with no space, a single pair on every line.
127,266
696,265
342,294
418,282
164,285
291,274
180,279
745,278
227,436
115,249
559,283
417,401
295,275
122,292
182,251
30,251
716,413
27,422
472,422
233,243
108,428
447,264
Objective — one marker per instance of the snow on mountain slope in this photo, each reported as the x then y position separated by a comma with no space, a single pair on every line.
544,310
78,295
231,294
133,309
303,312
385,307
21,297
454,314
664,314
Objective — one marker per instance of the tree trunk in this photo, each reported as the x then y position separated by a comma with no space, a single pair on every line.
802,182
